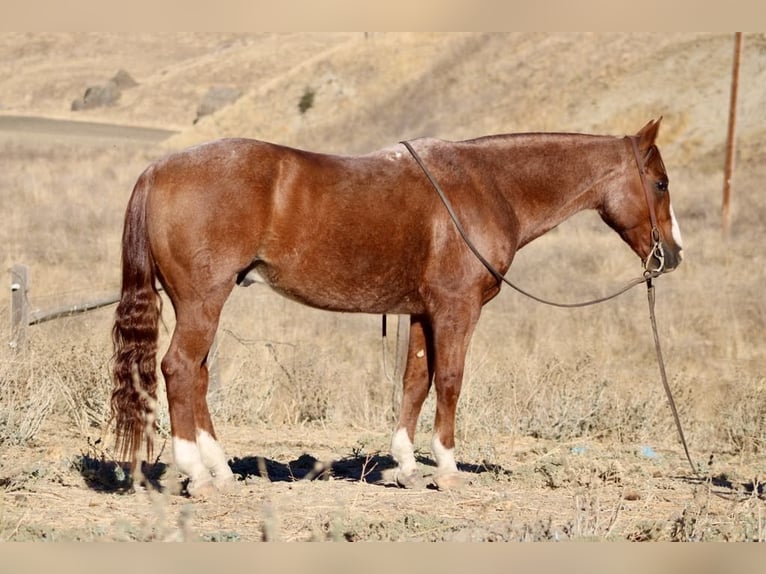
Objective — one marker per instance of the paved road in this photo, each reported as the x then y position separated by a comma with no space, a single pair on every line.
37,127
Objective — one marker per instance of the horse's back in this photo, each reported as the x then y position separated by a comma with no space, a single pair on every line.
337,232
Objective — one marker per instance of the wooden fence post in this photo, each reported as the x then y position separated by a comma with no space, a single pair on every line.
730,138
22,317
19,306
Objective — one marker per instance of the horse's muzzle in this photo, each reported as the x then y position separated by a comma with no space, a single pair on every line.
663,258
673,257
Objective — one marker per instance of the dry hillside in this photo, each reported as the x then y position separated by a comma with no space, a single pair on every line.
372,89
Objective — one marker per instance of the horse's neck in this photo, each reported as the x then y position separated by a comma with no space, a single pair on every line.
554,176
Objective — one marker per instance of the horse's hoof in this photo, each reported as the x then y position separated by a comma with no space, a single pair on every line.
202,490
225,483
449,480
412,479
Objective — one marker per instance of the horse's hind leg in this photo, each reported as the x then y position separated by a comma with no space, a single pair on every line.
418,375
196,451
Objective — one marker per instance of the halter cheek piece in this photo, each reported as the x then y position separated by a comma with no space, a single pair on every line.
657,252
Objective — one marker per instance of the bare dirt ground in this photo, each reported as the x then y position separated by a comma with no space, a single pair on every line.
327,485
609,469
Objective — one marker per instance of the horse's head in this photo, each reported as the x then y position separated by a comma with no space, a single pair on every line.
639,208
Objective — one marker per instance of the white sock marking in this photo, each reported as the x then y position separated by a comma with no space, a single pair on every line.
189,461
213,456
403,452
445,457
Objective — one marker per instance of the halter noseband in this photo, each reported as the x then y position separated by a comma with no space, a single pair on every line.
656,252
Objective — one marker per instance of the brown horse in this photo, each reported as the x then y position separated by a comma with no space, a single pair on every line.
358,234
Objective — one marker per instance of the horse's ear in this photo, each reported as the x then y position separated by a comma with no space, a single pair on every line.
648,133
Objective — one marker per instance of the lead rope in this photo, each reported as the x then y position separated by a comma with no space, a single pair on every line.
647,278
499,276
663,375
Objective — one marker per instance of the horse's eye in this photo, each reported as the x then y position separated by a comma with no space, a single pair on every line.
662,185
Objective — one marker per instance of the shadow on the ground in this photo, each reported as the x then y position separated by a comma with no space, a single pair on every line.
103,475
721,485
369,468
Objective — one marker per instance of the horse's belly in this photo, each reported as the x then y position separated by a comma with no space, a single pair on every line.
372,293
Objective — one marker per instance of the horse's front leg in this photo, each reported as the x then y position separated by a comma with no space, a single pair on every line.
418,375
453,326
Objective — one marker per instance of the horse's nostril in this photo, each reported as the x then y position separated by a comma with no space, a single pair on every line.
673,259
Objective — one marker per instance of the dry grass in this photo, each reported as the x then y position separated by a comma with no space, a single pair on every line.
556,404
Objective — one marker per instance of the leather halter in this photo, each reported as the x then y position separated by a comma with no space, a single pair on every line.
657,252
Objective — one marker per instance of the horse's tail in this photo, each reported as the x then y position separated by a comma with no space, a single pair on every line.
134,334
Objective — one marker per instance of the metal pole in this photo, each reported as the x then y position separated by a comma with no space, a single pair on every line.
729,166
